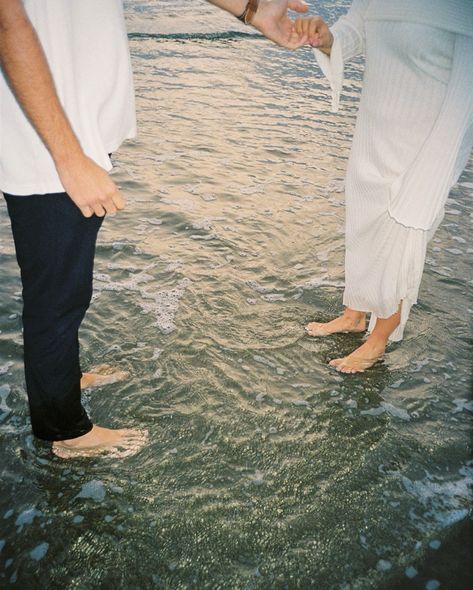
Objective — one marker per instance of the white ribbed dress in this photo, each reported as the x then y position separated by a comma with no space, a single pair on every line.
413,136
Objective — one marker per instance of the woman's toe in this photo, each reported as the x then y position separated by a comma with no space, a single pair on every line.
314,329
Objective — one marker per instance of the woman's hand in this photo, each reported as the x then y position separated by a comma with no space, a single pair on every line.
316,31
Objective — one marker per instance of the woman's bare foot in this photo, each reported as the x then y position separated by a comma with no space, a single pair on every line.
372,351
102,375
350,321
364,357
102,441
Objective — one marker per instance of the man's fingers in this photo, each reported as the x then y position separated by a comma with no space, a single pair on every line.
118,200
99,210
301,26
86,211
296,41
109,207
298,5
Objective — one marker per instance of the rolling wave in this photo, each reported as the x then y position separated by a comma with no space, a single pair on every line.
219,36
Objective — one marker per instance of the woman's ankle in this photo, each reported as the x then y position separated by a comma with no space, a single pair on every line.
378,341
354,315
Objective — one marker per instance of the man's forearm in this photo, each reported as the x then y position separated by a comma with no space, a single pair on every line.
26,68
270,17
27,71
235,7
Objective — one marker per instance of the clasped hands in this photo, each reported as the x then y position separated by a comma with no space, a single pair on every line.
273,21
91,188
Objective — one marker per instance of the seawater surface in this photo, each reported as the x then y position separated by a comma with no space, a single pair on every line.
265,468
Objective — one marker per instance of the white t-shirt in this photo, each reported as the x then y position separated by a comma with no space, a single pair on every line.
86,45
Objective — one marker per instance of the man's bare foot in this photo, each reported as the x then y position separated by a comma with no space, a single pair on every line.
344,324
364,357
102,375
102,441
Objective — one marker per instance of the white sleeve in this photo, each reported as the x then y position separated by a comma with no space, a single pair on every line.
348,42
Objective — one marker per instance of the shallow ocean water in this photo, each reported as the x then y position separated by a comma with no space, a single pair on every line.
265,469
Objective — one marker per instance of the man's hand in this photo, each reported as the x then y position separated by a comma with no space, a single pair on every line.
316,31
25,65
272,20
89,186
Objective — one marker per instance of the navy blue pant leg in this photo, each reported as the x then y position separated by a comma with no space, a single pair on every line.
55,248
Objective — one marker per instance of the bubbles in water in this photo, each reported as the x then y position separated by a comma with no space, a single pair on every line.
26,517
5,368
463,404
4,393
164,305
395,412
257,478
383,565
95,490
39,551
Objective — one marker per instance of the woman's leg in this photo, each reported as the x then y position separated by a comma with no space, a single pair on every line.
371,351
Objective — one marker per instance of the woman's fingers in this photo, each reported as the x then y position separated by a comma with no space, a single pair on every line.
314,25
313,28
298,26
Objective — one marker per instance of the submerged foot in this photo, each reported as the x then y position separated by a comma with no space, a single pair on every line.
364,357
102,441
102,375
343,324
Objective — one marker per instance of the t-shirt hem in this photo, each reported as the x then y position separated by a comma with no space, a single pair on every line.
54,185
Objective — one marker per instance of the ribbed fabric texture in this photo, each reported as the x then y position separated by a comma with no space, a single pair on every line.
443,156
412,71
455,16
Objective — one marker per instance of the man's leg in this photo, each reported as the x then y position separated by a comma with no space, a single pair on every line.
55,247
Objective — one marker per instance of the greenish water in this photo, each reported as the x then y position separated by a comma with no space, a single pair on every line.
266,469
